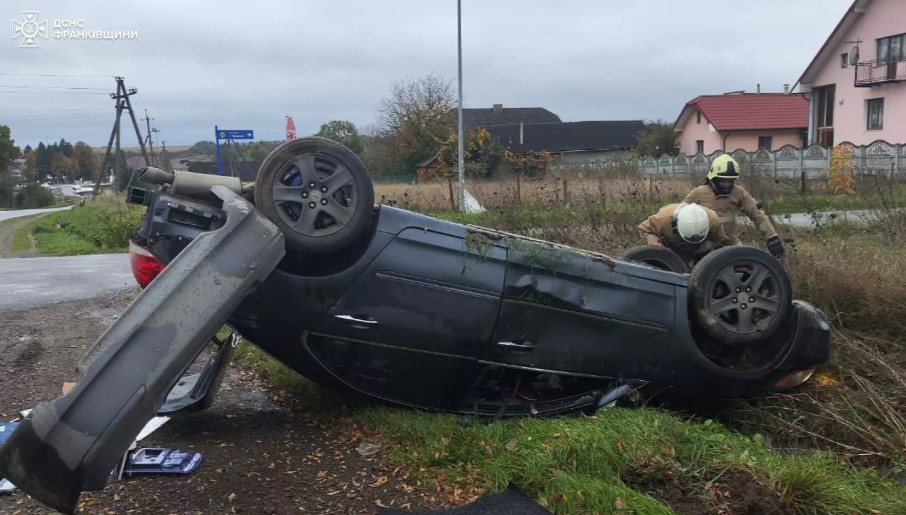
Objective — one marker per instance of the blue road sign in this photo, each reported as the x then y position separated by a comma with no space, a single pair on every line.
235,134
229,134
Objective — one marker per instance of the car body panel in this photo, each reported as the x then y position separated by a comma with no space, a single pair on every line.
423,312
73,443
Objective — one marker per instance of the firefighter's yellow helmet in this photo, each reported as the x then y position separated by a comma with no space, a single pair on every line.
724,167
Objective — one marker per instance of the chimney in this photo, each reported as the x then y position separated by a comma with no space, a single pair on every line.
520,132
758,88
786,89
498,108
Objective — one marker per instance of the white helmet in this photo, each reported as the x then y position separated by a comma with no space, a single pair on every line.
691,222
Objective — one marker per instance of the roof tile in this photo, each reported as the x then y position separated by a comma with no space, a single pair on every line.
756,111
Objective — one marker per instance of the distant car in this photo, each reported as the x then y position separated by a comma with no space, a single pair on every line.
402,307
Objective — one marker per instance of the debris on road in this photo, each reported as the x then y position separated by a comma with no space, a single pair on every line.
155,460
366,449
5,430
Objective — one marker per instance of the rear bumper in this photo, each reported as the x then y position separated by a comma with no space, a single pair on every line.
73,443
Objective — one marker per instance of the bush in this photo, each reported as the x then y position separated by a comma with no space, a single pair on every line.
33,196
102,225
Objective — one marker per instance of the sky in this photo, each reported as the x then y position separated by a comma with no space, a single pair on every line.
247,65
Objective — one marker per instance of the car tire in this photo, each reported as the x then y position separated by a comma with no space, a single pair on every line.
730,286
342,196
658,257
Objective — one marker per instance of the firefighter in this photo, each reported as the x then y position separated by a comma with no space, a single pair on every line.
721,193
689,229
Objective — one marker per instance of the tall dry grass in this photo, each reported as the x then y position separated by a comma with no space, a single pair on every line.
553,191
570,188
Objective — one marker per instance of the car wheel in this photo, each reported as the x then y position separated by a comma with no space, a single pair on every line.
740,295
317,192
658,257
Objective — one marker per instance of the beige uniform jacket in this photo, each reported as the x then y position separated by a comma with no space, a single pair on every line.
726,207
660,225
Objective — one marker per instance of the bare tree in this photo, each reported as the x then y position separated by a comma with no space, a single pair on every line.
417,117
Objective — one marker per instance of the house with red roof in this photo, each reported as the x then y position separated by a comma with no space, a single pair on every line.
740,120
857,80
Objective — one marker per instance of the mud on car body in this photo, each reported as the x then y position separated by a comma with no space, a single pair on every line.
402,307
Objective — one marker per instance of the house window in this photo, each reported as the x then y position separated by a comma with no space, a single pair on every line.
891,47
844,60
764,142
699,146
874,110
824,106
698,117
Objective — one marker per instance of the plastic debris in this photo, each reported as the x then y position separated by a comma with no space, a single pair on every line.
155,460
368,449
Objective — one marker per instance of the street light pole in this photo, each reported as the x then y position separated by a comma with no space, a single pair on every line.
462,189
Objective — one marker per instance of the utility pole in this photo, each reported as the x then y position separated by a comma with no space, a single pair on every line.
122,104
165,161
150,130
462,186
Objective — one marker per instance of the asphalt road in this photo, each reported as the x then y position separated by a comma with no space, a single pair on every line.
38,281
9,215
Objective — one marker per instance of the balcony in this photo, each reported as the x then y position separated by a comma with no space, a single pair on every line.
874,73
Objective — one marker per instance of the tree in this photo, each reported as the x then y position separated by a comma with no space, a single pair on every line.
416,119
43,155
343,132
377,152
658,139
85,162
31,165
8,149
481,154
205,148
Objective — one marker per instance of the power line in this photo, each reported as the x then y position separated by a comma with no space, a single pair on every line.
54,75
63,109
53,92
39,118
51,87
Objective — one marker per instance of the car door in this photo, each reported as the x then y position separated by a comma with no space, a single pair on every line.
73,443
411,328
579,313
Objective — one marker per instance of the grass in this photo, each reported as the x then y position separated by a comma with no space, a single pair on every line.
100,225
592,464
621,189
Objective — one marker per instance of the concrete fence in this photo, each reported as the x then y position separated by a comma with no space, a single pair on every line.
878,158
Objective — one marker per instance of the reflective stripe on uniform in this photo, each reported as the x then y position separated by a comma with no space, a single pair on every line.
727,218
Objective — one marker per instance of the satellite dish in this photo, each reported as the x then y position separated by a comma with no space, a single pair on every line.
854,55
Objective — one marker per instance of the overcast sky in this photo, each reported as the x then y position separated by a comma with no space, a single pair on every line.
246,65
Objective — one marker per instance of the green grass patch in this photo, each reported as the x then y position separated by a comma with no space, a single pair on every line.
99,226
582,464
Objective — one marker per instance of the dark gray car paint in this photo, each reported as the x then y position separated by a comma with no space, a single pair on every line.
73,443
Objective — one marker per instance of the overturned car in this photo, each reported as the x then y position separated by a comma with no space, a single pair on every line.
399,306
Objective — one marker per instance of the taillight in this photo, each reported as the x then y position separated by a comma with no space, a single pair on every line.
145,266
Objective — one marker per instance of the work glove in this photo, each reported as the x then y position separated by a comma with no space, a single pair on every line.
775,246
651,239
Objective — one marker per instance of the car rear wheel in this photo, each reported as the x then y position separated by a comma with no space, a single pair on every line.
317,192
658,257
740,296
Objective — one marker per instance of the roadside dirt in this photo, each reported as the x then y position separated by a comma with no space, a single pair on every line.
731,492
258,455
7,228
